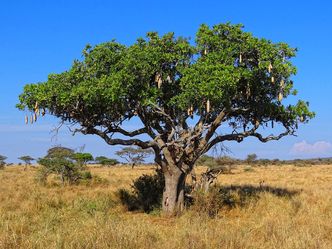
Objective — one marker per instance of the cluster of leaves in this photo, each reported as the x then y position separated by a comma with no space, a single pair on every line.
64,162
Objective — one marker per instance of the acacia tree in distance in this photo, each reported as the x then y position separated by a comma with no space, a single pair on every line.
27,161
82,158
134,155
227,77
103,160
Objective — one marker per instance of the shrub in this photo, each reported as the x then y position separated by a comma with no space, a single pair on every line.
208,203
146,194
86,175
106,161
61,161
251,158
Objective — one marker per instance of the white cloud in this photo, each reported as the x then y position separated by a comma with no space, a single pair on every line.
315,149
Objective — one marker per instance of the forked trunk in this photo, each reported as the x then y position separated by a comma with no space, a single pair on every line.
173,195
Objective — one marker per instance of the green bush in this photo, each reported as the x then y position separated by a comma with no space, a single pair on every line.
146,194
105,161
86,175
64,163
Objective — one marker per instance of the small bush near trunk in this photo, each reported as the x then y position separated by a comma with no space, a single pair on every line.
146,193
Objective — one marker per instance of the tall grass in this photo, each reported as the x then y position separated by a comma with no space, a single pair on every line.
91,216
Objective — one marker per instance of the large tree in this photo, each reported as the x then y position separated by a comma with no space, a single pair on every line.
179,93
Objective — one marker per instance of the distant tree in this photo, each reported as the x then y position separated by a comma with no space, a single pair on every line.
60,160
59,151
2,161
27,160
134,155
251,158
82,158
205,160
105,161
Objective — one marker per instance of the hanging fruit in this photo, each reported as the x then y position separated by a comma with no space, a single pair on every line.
280,96
191,111
26,119
256,123
272,79
248,93
269,68
282,83
208,106
31,119
158,80
240,58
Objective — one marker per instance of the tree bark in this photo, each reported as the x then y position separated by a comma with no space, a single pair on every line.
173,195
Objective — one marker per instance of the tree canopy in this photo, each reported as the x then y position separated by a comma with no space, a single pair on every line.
134,155
26,159
103,160
227,76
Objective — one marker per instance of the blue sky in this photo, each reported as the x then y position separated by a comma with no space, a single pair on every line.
42,37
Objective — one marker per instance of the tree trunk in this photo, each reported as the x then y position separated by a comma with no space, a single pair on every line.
173,195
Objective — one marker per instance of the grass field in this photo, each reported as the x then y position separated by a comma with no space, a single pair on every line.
90,216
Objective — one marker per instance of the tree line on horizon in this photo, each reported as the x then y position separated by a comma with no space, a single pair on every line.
131,155
135,156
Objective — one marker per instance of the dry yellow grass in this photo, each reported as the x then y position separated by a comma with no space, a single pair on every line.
34,216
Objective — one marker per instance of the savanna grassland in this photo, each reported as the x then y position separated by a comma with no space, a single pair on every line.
291,208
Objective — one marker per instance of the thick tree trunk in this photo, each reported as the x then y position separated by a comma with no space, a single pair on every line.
173,196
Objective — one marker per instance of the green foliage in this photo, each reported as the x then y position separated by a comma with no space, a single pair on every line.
61,161
82,158
86,175
60,152
105,161
146,194
26,159
227,66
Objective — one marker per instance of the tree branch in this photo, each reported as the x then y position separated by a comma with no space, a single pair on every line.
134,133
117,141
240,136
